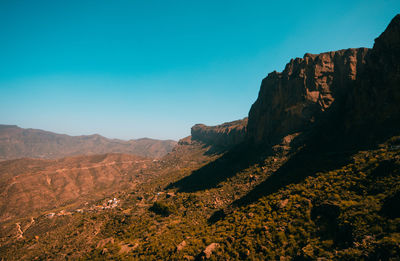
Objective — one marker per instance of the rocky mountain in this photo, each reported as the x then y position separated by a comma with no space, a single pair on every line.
16,142
225,135
315,175
293,100
373,104
348,90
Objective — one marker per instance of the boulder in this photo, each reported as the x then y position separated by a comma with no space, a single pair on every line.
102,243
181,246
207,252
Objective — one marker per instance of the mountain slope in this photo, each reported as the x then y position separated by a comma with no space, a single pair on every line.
310,181
16,142
30,187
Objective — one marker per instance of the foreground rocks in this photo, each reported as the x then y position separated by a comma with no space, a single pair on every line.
207,252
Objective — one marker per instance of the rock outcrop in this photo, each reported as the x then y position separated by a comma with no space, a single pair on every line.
225,135
359,85
291,101
206,254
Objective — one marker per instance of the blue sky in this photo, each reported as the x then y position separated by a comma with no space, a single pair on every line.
131,69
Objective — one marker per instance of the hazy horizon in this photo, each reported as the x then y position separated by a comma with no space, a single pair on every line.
133,69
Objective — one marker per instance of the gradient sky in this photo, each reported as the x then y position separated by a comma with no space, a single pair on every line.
131,69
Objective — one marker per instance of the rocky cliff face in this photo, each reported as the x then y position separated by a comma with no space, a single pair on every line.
362,84
374,103
293,100
225,135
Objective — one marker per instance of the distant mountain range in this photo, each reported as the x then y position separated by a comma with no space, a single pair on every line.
16,142
312,174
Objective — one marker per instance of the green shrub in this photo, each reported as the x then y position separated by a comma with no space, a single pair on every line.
161,209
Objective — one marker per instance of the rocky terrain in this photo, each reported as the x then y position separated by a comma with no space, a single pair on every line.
226,135
16,143
315,175
33,186
292,101
353,91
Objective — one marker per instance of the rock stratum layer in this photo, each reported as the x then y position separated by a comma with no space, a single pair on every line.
16,143
363,84
225,135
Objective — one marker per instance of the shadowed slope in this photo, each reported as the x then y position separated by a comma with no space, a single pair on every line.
217,171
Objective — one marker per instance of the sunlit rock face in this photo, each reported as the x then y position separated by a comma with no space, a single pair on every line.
362,87
225,135
291,101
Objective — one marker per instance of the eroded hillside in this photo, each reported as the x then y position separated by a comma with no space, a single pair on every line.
303,180
32,186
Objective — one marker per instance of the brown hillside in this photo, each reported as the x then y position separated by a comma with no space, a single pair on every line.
16,143
294,190
32,186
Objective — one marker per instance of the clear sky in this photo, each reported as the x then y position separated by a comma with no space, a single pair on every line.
131,69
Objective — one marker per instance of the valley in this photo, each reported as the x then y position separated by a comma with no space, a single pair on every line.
313,173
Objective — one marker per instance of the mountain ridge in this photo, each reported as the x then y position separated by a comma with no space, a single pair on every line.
16,142
224,136
308,179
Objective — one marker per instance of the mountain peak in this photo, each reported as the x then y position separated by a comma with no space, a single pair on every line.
361,83
389,40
